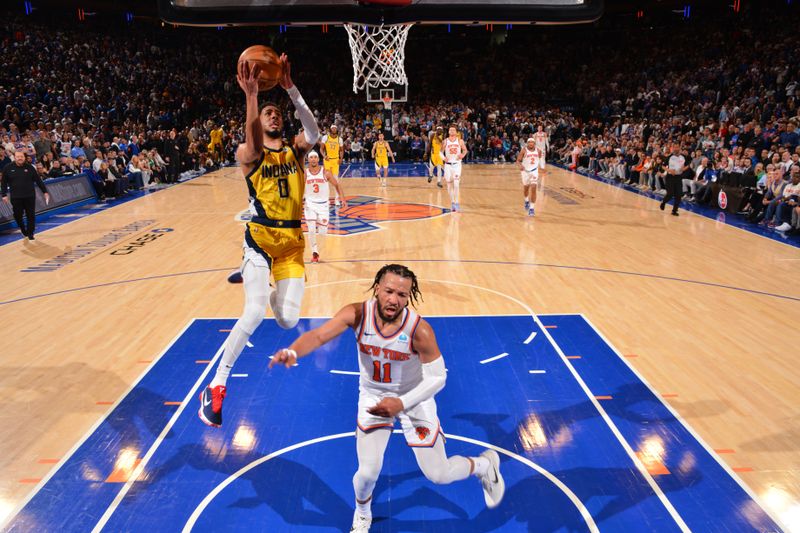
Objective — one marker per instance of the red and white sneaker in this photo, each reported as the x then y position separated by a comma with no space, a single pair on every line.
314,257
211,405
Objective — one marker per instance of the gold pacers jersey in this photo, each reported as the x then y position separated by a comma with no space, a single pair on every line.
436,150
276,186
332,147
216,136
380,151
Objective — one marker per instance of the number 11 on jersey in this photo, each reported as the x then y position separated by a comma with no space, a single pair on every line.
376,372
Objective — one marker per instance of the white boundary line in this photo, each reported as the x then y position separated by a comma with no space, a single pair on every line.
153,447
495,358
91,430
636,461
537,371
530,338
345,372
585,514
688,428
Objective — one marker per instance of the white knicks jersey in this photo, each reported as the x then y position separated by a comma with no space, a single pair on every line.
387,364
452,150
530,160
540,138
317,187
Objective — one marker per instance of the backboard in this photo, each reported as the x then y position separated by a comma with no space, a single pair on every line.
265,12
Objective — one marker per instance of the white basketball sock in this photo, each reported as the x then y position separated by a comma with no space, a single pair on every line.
481,466
312,234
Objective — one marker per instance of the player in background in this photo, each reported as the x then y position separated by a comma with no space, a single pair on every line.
453,151
542,141
317,201
332,150
381,151
436,164
529,159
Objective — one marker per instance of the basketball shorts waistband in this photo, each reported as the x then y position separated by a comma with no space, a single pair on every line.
271,223
452,162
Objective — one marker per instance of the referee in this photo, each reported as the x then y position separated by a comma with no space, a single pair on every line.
677,165
21,177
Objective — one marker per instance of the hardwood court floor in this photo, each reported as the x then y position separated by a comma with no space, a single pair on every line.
707,313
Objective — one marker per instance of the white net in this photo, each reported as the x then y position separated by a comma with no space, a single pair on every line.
378,54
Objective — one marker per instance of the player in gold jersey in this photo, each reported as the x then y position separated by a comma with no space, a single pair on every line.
331,147
381,151
215,146
273,239
436,164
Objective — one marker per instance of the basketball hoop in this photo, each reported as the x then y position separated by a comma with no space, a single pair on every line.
378,54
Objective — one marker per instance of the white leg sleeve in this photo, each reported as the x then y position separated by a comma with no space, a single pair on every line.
256,294
370,447
312,234
439,468
456,188
286,300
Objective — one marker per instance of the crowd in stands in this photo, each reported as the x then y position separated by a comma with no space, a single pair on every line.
134,105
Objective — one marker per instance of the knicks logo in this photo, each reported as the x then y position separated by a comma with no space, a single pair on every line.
722,200
364,213
422,432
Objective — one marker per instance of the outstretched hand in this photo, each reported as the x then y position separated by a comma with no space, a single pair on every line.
247,77
387,407
286,73
285,357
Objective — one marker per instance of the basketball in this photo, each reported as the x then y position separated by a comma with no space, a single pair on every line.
268,61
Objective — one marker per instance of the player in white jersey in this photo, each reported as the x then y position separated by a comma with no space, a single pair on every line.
401,371
453,151
529,159
542,140
316,200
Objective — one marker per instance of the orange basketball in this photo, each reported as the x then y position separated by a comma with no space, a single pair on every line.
268,62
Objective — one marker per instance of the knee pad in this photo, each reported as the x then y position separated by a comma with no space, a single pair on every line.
254,310
287,316
285,301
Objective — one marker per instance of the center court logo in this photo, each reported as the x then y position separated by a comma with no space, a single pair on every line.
364,213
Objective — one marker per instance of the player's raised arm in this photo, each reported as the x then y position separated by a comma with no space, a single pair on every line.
305,141
250,151
348,317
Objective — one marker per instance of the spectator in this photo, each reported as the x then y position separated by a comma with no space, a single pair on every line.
20,177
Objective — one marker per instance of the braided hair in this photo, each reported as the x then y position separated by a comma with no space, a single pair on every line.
404,272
